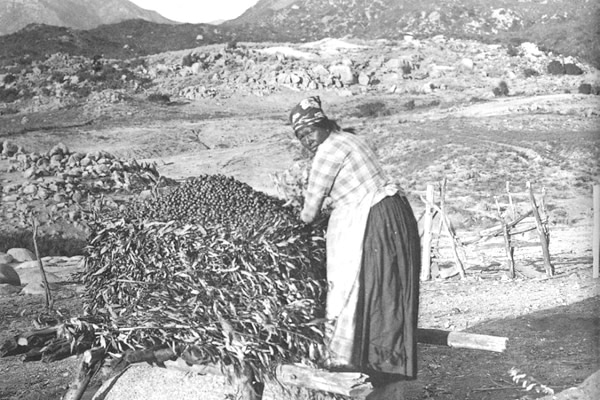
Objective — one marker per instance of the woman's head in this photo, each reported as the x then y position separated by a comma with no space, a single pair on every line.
311,125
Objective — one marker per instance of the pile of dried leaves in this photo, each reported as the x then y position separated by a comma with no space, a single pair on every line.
214,269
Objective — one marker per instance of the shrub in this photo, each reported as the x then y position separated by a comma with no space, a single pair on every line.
57,76
159,98
25,60
529,72
585,88
512,51
9,111
188,60
372,109
572,69
556,68
501,89
9,78
8,95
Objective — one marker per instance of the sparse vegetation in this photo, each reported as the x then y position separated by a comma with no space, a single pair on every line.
159,98
371,110
501,90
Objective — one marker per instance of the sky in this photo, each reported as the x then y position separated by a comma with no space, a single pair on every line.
197,11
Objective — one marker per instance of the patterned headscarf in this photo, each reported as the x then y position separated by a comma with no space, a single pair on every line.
307,113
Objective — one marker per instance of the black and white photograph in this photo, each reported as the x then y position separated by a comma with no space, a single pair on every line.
299,200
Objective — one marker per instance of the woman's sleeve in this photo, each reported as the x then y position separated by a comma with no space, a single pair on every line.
325,168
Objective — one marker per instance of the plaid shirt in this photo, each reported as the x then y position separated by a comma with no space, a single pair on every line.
345,169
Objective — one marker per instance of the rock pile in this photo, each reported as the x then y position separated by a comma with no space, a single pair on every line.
408,66
400,66
66,180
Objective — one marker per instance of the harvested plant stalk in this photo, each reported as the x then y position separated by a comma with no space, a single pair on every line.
216,271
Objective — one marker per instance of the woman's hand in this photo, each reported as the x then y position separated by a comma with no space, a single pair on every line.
306,218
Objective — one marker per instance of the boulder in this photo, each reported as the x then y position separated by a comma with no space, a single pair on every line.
364,79
60,148
589,389
344,72
467,64
6,258
9,149
21,254
33,276
6,289
9,276
37,288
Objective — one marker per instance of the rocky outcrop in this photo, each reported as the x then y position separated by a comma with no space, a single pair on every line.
24,277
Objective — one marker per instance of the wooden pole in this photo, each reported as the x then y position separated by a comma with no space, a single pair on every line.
596,235
351,384
426,245
513,211
462,340
450,231
90,363
507,246
542,233
49,301
247,386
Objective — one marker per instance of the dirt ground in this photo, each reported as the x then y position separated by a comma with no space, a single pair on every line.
553,324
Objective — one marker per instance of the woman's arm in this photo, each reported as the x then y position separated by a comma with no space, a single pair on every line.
325,168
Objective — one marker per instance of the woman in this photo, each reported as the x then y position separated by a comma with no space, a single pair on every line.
373,249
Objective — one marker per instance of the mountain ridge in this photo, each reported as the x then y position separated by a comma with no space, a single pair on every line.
78,14
563,27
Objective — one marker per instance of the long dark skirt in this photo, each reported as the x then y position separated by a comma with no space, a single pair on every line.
388,301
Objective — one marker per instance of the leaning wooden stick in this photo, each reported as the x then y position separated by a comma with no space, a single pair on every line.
450,230
596,234
542,233
49,301
507,245
462,340
91,362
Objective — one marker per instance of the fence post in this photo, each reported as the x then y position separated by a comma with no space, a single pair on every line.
596,236
426,245
543,234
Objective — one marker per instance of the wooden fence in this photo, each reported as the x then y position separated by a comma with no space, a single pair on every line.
510,225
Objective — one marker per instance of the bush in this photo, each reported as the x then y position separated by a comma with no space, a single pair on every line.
8,95
372,109
9,111
9,78
556,68
57,76
512,51
529,72
586,88
501,90
81,91
159,98
572,69
188,60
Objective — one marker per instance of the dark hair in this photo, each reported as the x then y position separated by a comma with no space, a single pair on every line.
329,124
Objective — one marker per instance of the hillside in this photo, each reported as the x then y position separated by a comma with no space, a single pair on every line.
566,28
79,14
